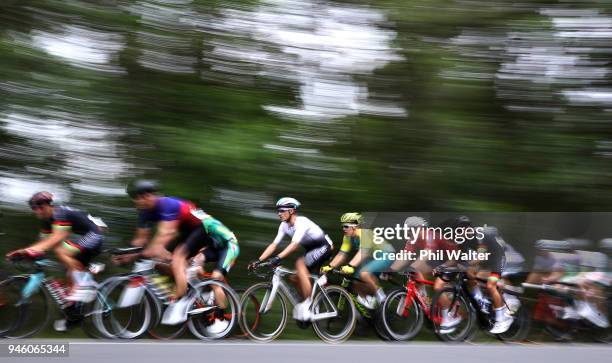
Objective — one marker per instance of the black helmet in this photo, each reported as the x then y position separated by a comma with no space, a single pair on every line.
41,198
462,221
141,186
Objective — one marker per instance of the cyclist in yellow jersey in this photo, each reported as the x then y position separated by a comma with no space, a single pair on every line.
369,261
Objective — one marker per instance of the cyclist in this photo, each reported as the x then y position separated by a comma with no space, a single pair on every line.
171,217
363,264
59,222
303,232
430,241
214,242
491,269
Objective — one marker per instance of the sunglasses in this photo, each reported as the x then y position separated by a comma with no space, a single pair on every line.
283,210
347,226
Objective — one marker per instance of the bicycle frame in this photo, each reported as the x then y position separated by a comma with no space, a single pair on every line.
278,283
412,294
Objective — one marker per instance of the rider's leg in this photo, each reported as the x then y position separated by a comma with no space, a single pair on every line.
179,265
304,285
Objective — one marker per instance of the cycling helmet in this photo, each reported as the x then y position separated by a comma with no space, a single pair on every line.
462,221
287,202
351,217
415,221
142,186
41,198
553,245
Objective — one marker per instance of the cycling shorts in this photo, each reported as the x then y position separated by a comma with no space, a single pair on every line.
225,257
86,247
316,257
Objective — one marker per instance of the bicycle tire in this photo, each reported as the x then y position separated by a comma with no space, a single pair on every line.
197,323
519,330
468,314
141,312
36,312
250,328
319,326
388,313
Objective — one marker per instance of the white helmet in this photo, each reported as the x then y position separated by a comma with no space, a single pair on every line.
287,202
415,221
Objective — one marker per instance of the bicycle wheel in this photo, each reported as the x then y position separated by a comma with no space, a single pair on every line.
520,326
10,311
259,324
199,322
400,316
456,306
130,322
22,318
334,300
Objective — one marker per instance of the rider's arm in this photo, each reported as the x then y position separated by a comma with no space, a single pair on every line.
289,249
58,235
141,237
166,232
272,247
338,259
356,260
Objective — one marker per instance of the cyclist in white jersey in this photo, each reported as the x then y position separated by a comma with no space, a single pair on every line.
303,232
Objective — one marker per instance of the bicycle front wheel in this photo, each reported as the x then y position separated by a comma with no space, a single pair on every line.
203,313
22,317
333,314
401,316
449,305
129,322
263,320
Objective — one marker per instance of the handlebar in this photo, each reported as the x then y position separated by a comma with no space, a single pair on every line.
118,251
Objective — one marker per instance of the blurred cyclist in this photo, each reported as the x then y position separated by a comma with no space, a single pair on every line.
303,232
172,218
490,269
214,242
363,264
58,223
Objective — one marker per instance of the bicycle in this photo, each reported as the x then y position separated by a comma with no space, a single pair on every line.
371,316
25,307
470,312
404,310
552,303
139,302
333,314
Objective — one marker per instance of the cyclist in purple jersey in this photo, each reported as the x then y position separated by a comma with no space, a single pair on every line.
171,217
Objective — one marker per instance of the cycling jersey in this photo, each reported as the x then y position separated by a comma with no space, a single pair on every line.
77,222
169,209
73,220
305,231
430,241
492,244
363,240
221,245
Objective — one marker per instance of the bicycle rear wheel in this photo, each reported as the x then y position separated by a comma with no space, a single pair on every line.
401,316
258,324
22,318
454,305
520,326
199,323
338,328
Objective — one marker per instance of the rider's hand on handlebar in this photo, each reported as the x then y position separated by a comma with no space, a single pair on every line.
253,264
325,269
347,269
25,252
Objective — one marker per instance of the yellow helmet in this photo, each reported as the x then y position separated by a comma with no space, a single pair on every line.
351,217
